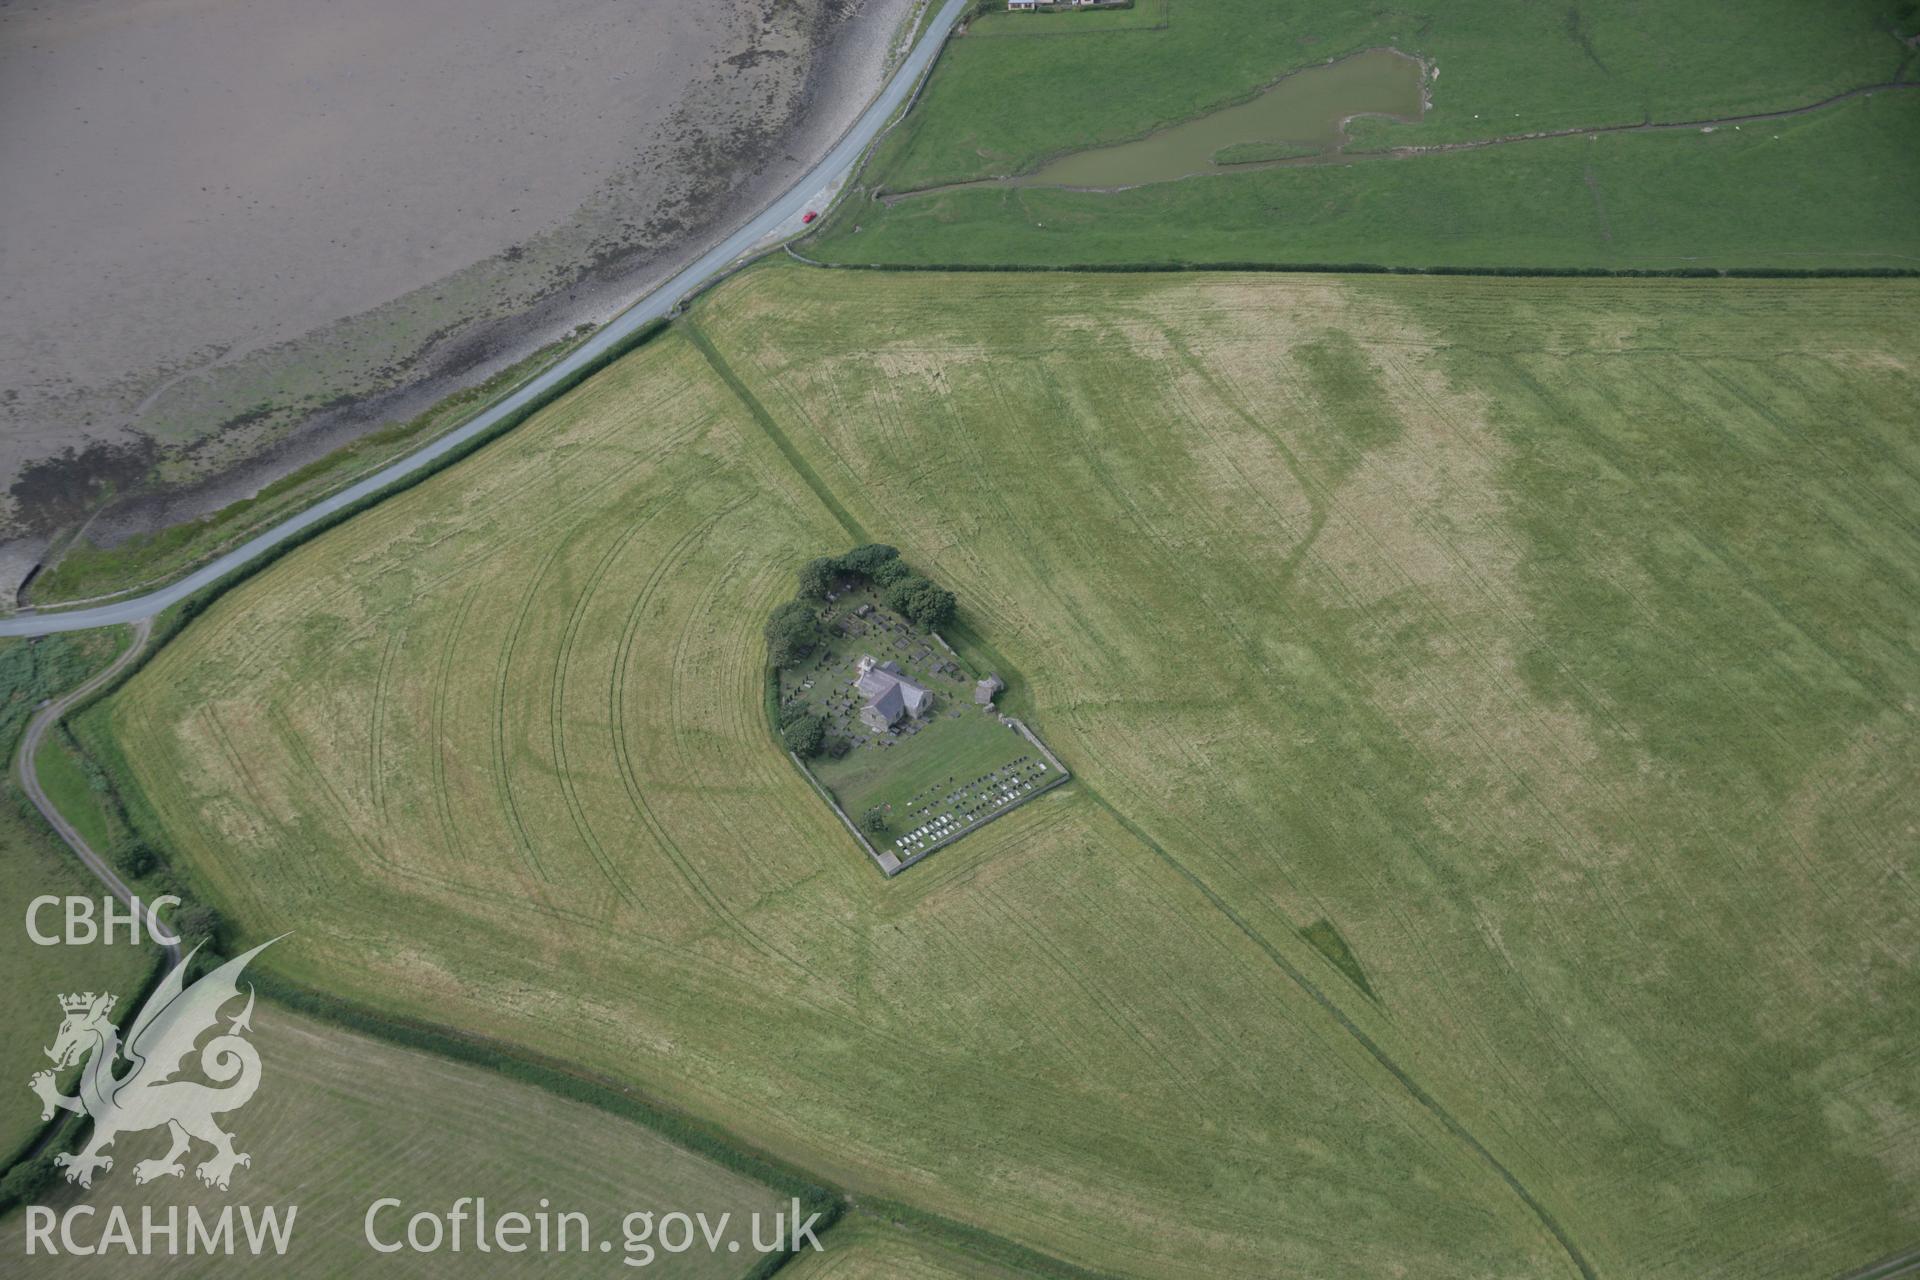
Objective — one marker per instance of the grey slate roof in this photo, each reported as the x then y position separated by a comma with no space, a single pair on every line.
890,695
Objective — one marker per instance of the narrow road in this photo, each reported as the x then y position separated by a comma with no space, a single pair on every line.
838,161
1895,1265
37,729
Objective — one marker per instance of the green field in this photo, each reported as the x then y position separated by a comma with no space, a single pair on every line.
1833,188
1144,15
861,1248
341,1120
33,863
995,107
1490,842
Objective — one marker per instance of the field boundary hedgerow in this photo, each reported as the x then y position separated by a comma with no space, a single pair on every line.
560,1079
1172,267
170,622
1293,973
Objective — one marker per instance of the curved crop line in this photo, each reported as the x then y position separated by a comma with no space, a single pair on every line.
629,776
497,720
1426,1100
556,707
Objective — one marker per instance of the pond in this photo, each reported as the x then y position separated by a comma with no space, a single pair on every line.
1301,116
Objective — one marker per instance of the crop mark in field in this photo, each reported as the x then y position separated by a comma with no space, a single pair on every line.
556,707
437,726
1578,33
1311,489
623,757
775,434
1379,1055
1735,567
377,723
502,763
1426,1100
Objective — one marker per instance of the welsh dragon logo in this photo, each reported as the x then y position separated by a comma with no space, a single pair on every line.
160,1041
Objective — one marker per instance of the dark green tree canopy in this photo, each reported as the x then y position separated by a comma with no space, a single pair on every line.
866,560
792,631
805,735
817,577
920,600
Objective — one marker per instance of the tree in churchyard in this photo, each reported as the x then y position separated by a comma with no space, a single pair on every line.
817,577
805,735
792,632
923,602
866,560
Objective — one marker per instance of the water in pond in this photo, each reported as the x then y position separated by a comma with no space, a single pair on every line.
1300,116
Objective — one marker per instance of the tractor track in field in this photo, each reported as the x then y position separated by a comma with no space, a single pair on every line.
745,243
1426,1100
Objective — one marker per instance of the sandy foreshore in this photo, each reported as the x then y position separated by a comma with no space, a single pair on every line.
236,236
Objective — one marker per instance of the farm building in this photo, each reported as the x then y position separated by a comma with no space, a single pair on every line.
985,688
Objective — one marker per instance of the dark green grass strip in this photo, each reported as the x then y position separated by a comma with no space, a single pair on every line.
1326,939
1366,1042
1277,267
760,415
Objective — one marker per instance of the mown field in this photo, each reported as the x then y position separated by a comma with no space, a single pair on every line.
1833,188
1550,641
342,1120
497,752
33,863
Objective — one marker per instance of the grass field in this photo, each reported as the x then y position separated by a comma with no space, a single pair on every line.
1539,647
1831,189
341,1120
861,1248
497,751
33,863
1145,15
1835,188
995,107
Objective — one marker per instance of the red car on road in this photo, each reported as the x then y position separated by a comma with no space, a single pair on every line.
808,216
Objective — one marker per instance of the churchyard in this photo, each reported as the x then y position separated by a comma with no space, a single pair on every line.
932,777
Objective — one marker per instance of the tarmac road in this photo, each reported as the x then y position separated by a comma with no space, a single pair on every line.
44,720
838,162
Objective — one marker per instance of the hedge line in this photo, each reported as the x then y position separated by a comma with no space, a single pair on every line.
707,1140
65,1130
1374,268
682,1130
172,621
982,1243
